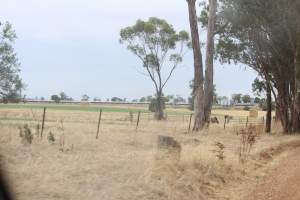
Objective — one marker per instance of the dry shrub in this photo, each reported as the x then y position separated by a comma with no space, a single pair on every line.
26,135
248,138
219,150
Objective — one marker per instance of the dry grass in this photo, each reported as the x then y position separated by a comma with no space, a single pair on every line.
122,163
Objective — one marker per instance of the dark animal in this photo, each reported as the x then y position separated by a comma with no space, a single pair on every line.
228,118
214,120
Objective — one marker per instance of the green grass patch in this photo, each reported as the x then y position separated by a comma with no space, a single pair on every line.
57,107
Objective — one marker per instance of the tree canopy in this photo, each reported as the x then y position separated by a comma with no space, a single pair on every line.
160,49
10,81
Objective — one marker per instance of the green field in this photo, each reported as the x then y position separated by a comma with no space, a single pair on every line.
86,108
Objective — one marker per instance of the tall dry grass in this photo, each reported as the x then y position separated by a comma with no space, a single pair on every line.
122,163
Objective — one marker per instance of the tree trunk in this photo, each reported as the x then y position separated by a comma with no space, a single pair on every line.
209,61
159,111
269,108
296,105
283,105
199,120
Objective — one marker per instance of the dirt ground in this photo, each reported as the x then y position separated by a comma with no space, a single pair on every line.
283,183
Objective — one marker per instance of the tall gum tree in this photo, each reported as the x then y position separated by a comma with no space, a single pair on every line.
160,49
198,90
209,60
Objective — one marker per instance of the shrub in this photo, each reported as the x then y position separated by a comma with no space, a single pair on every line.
26,134
154,104
248,138
51,138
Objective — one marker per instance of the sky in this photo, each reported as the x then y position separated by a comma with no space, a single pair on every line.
73,46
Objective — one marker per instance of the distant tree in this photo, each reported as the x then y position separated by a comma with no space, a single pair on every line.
153,105
42,98
11,84
159,47
116,99
143,99
55,98
96,99
237,98
85,97
246,98
178,99
63,96
134,101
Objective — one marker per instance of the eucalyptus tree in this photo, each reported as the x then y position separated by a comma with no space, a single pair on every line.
198,88
10,81
265,35
209,60
160,48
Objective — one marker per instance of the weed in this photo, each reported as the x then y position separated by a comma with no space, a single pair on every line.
248,138
26,134
219,150
51,138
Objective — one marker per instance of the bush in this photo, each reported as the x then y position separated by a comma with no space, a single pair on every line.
154,104
26,134
51,138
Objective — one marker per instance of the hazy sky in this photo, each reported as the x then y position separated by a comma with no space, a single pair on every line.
72,46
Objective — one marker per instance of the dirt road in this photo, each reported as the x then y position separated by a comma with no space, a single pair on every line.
283,183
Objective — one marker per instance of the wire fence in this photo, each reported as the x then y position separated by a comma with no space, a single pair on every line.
48,118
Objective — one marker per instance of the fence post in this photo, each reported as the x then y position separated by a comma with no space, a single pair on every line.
247,121
191,116
138,121
225,118
99,122
43,122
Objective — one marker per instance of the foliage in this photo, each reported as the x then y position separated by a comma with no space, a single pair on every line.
85,97
51,138
11,84
116,99
246,98
265,35
259,87
55,98
248,138
26,134
153,106
219,150
160,49
237,98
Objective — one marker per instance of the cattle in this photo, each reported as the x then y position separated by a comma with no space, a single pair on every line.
214,120
228,118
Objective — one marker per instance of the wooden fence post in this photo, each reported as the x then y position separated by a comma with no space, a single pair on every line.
43,122
225,118
99,122
191,116
247,121
138,121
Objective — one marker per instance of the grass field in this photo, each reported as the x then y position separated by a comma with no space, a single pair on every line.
122,163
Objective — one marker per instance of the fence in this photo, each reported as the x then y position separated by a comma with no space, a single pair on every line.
136,119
